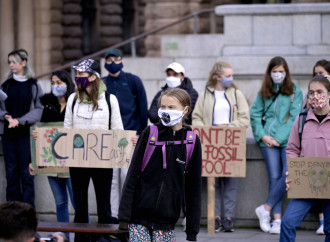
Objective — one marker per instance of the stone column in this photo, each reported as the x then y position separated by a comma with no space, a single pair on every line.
48,36
111,20
72,30
25,27
7,34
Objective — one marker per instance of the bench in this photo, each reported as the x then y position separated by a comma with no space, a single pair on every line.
79,228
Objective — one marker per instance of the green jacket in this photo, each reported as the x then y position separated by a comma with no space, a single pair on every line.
239,108
279,117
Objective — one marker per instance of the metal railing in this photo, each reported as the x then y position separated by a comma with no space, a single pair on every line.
132,40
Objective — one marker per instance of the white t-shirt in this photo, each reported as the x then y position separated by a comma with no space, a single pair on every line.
221,110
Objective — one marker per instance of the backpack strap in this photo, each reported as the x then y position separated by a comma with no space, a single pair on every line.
191,138
302,120
73,103
107,98
151,145
153,142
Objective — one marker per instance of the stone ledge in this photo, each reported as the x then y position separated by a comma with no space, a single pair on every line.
277,9
265,50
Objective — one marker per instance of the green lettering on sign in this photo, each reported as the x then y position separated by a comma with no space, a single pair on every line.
172,46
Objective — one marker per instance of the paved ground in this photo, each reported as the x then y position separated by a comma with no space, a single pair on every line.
249,235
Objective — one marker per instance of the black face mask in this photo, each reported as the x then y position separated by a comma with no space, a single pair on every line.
113,67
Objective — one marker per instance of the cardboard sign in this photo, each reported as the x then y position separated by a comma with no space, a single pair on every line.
310,177
223,151
62,147
44,170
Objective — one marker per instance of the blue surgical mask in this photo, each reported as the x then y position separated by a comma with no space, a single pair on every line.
226,82
113,68
59,91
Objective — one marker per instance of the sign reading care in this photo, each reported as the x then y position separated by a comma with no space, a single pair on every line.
223,151
83,147
310,177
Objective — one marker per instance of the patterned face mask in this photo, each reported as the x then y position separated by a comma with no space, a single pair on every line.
59,91
170,118
317,100
277,77
82,82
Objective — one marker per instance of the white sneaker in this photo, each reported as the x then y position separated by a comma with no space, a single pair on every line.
320,230
184,224
276,227
264,218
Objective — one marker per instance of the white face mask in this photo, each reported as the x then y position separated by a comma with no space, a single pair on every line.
277,77
170,118
172,81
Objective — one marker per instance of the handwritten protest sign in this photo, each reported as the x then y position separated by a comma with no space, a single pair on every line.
223,151
62,147
310,177
44,170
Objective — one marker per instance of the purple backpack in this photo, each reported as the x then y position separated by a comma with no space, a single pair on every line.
153,142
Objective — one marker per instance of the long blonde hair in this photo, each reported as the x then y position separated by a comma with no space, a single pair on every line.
217,70
20,56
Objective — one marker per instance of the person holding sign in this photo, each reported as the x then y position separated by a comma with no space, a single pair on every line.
54,110
21,109
314,142
321,67
88,109
222,103
272,115
155,191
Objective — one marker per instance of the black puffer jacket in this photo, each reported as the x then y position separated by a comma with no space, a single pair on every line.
52,109
186,85
154,197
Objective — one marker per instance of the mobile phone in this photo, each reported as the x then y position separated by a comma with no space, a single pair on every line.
48,239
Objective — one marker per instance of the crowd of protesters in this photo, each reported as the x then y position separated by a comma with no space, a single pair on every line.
148,202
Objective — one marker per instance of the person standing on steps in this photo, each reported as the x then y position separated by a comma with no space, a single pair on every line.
91,108
222,104
54,104
21,109
175,77
129,90
272,114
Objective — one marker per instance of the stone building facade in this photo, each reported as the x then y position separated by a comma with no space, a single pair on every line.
59,32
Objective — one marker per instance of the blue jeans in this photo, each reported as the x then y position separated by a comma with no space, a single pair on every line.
275,159
295,214
61,187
